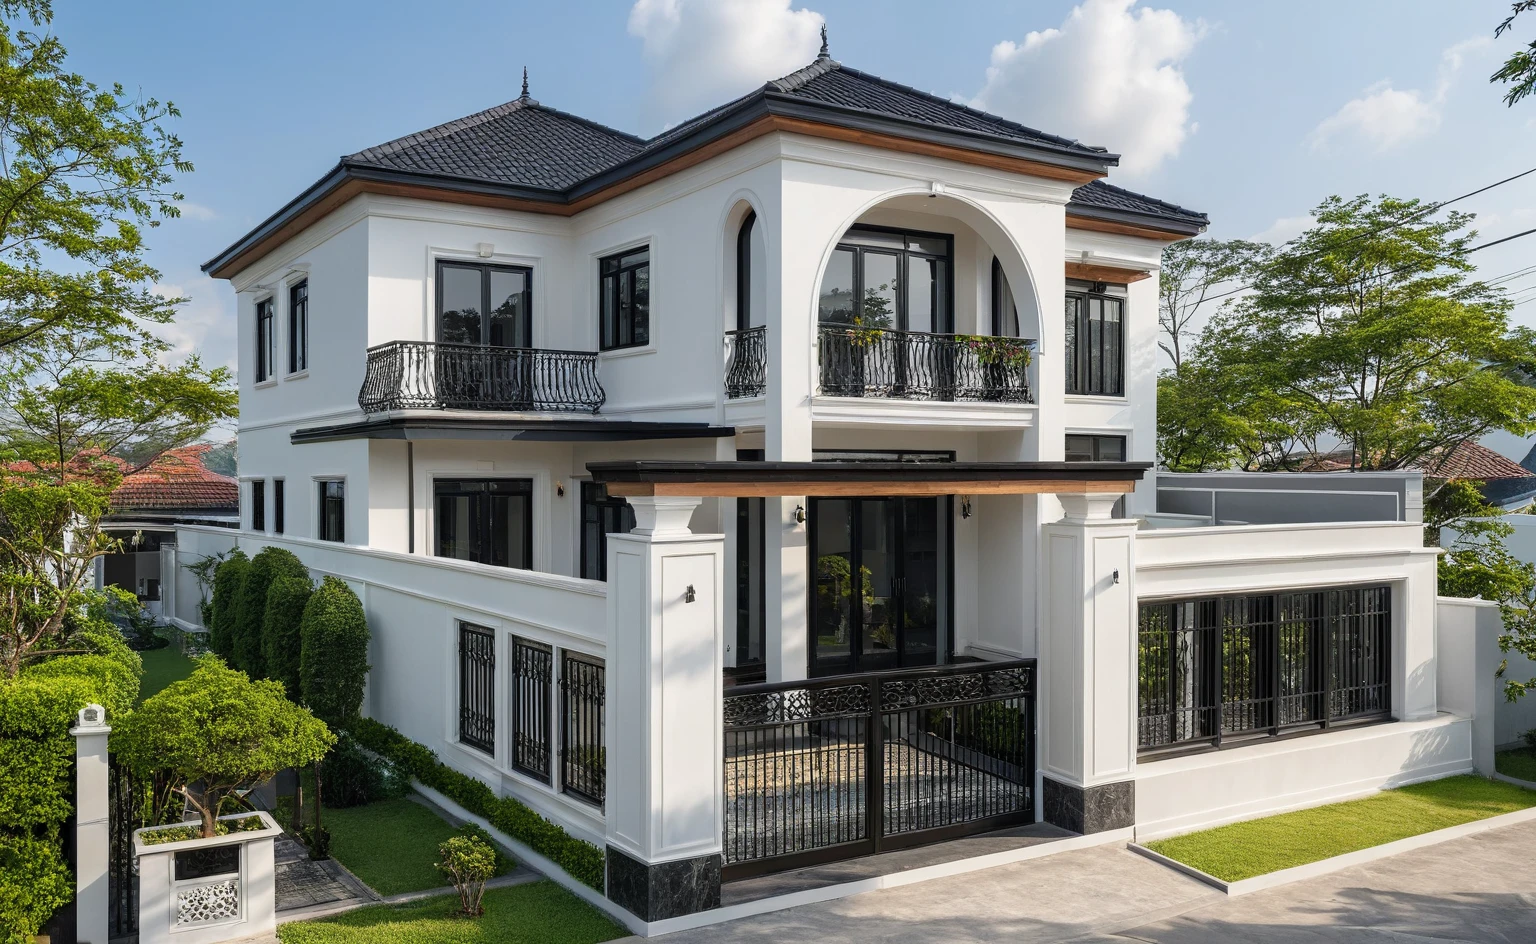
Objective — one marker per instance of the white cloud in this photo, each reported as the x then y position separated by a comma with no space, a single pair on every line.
204,324
705,52
1385,116
196,211
1283,230
1110,76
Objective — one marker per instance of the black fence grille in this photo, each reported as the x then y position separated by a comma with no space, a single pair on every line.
853,765
532,666
477,687
583,752
430,375
1261,665
132,803
746,364
882,363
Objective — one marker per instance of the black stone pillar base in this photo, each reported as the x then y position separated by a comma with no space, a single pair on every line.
663,889
1086,810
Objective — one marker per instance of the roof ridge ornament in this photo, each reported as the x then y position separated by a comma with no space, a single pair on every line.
824,54
524,96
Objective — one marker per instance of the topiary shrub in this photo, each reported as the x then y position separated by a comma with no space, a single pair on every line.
250,650
281,629
333,658
227,580
117,688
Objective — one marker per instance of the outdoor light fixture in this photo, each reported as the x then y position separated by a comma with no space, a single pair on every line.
485,250
799,514
688,595
965,506
1116,575
559,489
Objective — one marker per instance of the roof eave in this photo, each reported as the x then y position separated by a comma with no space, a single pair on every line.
1183,226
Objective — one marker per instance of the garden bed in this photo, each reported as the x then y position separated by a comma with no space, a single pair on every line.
1237,853
537,913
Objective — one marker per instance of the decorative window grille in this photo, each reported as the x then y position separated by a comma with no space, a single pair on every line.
532,668
477,687
583,751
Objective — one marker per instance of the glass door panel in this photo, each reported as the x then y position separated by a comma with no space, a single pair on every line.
877,579
923,579
836,305
832,612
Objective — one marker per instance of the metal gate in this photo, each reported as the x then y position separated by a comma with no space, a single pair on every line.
132,803
858,764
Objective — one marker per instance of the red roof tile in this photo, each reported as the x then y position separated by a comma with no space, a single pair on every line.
1470,461
178,479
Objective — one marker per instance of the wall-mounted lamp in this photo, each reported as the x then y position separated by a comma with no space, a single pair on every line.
1116,575
965,506
688,595
559,489
799,514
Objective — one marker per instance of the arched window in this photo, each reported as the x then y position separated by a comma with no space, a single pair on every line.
1005,312
751,265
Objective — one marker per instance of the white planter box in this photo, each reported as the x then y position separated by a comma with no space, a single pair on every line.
200,891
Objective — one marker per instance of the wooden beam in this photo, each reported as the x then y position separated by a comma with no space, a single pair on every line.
880,487
1104,273
1122,229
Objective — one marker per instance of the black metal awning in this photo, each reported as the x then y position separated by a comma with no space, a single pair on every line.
533,429
766,479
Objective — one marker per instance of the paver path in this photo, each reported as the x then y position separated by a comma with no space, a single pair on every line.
1478,889
303,883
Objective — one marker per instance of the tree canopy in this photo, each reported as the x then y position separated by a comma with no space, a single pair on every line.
1519,70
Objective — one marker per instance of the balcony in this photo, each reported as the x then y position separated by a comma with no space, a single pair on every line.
912,365
746,363
426,375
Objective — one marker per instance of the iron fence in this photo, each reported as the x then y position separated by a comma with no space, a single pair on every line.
852,765
1232,668
133,802
884,363
477,687
583,749
746,362
532,667
437,376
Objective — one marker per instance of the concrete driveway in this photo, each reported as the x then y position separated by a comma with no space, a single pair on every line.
1481,888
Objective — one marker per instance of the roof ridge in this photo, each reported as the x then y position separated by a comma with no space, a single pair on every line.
481,117
819,66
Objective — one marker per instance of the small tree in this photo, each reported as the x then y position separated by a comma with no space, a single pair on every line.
469,862
334,657
251,607
202,570
227,579
218,732
281,629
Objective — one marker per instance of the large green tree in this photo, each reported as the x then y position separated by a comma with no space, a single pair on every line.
1194,272
1519,70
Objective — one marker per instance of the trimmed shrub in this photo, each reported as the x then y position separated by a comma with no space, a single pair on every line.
580,859
116,686
35,882
281,629
247,624
333,658
352,777
227,580
469,862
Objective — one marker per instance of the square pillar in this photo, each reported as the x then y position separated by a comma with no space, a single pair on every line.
1088,668
92,827
665,727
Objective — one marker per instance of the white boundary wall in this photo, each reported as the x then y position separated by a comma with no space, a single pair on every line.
1513,718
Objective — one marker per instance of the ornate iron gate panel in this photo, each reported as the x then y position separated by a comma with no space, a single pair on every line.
124,802
853,765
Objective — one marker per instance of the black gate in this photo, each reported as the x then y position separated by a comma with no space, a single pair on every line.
857,764
132,803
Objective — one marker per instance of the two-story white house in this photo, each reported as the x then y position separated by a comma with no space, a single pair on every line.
769,491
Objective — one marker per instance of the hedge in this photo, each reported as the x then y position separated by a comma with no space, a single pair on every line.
247,623
333,656
227,579
280,629
579,858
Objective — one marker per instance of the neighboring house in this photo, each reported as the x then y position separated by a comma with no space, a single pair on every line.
842,386
174,489
1516,491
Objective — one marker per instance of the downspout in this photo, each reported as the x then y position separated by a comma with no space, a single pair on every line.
410,496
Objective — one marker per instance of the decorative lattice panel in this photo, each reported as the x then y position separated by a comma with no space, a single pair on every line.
205,904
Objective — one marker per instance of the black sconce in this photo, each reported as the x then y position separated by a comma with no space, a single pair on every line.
799,514
965,506
689,596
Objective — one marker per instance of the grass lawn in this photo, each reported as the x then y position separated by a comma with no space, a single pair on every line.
391,845
1519,763
1260,846
538,913
161,668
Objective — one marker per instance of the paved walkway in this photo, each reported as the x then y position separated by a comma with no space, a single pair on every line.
1478,889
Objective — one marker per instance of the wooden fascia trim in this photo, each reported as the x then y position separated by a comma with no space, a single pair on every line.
1104,273
1122,229
876,487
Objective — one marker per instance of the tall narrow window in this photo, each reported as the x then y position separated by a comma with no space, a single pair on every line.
477,688
1095,355
258,504
298,327
624,300
1005,313
528,694
488,521
600,517
266,347
277,506
751,267
332,510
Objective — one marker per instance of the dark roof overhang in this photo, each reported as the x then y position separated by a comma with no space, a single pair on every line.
1175,227
648,477
535,429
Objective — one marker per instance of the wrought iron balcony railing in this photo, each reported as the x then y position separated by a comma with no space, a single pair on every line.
880,362
415,375
746,362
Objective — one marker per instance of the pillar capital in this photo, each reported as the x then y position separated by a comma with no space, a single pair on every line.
1092,506
662,516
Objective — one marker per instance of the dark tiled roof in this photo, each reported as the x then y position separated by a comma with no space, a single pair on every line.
1102,196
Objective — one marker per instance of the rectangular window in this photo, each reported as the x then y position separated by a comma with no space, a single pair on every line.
266,345
489,521
583,754
298,327
890,279
600,517
1219,671
277,506
1095,355
1085,448
529,692
258,505
488,305
624,300
332,509
477,688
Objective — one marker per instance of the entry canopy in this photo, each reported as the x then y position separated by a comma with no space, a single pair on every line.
649,478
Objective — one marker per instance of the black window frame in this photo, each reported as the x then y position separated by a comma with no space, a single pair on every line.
439,489
597,511
298,326
258,505
1096,454
530,688
1003,292
1079,374
322,510
744,271
277,506
477,687
485,269
611,272
901,320
266,345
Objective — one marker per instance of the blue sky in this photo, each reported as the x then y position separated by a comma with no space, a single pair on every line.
1250,112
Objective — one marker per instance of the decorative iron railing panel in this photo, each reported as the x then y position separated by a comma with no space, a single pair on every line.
532,671
884,363
477,687
428,375
1259,665
583,748
853,765
746,362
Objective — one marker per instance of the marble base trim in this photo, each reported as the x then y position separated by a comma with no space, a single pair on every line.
660,890
1087,810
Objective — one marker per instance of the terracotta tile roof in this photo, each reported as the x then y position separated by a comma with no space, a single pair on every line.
178,479
1471,462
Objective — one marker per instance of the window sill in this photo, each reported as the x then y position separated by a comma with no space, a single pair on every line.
627,351
297,375
1095,398
262,384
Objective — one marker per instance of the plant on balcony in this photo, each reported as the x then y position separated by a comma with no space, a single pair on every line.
873,320
1012,353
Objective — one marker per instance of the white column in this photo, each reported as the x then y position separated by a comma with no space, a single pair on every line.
92,828
1088,668
665,729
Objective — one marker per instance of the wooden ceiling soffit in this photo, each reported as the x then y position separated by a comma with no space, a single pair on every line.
1104,273
1095,225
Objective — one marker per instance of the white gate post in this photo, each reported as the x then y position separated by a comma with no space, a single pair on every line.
92,827
664,712
1088,668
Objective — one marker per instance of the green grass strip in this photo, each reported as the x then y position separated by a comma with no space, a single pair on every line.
1260,846
391,845
538,913
162,667
1519,763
